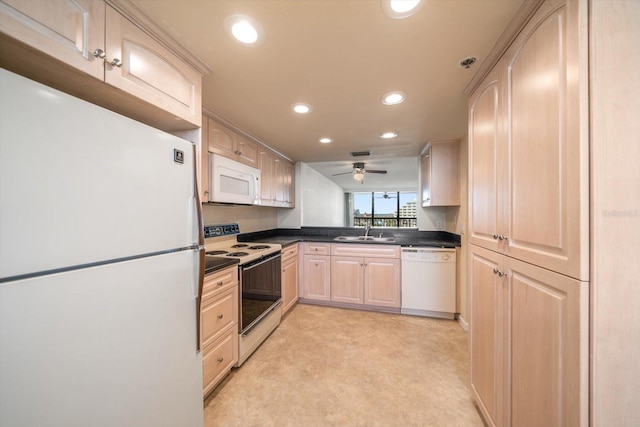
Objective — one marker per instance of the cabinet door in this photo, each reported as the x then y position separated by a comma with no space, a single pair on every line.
549,347
221,140
317,277
425,177
486,336
289,185
247,151
67,30
149,71
485,139
289,284
279,181
546,194
267,181
382,282
347,279
444,183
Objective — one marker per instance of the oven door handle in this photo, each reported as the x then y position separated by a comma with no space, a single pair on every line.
260,262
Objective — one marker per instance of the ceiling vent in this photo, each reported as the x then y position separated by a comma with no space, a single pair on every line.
360,153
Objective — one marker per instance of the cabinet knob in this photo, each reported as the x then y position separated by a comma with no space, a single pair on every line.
220,316
116,63
99,53
501,237
495,236
220,359
219,283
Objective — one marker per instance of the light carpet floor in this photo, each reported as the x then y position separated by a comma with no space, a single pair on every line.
337,367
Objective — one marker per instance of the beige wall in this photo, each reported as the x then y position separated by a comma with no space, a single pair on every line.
250,218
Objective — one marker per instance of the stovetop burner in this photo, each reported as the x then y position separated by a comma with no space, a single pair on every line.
217,252
258,247
240,245
238,254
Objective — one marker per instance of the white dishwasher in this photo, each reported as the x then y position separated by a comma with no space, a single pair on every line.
428,282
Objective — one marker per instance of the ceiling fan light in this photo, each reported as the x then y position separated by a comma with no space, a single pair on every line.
358,175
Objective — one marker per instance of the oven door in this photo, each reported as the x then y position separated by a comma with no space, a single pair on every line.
261,291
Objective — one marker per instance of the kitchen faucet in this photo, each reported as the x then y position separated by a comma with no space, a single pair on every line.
366,230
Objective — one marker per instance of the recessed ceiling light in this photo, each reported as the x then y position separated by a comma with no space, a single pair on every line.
244,29
326,140
393,98
399,9
388,135
302,108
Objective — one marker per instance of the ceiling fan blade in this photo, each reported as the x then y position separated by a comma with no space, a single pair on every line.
374,171
343,173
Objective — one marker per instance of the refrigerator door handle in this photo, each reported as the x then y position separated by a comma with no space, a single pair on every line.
201,253
201,248
200,223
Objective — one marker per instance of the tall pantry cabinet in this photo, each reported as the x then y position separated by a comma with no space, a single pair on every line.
528,225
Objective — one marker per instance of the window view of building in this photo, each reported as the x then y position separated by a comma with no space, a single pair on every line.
385,209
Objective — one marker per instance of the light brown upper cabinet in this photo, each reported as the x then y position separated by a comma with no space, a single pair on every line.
139,65
528,149
227,143
68,31
440,176
92,37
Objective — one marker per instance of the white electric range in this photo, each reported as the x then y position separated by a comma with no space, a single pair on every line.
260,294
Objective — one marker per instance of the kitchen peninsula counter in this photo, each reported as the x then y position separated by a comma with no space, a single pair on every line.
403,237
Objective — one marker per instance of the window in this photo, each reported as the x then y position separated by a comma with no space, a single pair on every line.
385,209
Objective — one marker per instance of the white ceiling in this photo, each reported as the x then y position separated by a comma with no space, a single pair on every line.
340,56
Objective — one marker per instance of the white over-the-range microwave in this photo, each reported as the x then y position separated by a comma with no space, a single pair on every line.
233,182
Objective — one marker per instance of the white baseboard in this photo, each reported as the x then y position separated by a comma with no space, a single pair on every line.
463,323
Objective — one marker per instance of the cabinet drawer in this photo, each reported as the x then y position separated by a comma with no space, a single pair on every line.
218,359
317,248
377,251
218,314
290,252
219,282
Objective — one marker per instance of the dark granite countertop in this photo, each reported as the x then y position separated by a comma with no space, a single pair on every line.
403,237
215,263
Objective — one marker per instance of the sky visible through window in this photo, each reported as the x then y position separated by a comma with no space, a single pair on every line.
362,202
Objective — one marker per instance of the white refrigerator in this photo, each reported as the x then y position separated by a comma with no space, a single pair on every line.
99,266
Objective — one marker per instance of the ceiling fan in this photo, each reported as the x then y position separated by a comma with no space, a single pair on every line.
359,171
387,196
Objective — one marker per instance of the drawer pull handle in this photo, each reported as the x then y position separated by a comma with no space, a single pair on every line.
220,359
220,316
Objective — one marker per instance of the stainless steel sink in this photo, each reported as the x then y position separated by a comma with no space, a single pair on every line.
364,239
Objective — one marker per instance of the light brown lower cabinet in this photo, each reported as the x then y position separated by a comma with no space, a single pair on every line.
219,326
352,274
289,278
370,281
528,343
